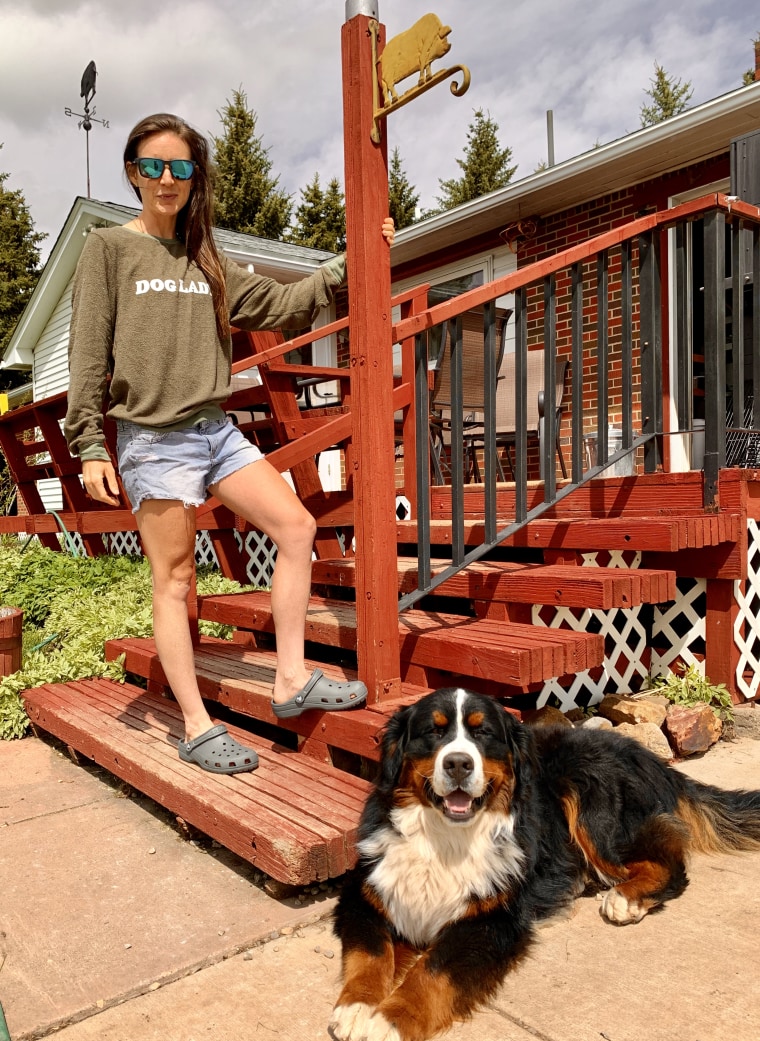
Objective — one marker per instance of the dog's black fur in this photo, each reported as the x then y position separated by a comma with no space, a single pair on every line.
558,808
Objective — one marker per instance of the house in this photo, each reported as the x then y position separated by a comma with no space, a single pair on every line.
532,218
651,170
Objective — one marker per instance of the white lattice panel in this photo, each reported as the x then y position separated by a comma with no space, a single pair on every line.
262,554
625,641
204,550
261,551
747,625
678,632
124,544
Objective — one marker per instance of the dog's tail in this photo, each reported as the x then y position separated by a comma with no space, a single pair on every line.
719,821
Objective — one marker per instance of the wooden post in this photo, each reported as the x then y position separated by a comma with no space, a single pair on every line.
721,652
372,476
11,634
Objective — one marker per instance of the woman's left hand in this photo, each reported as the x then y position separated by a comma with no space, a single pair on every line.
389,230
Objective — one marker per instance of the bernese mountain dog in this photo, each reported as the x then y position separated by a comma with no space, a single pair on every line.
478,827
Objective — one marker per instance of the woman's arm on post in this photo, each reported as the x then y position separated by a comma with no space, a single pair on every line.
259,303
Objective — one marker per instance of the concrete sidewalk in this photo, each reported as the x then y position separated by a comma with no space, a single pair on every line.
113,927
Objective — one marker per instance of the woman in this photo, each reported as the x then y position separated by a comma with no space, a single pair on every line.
153,302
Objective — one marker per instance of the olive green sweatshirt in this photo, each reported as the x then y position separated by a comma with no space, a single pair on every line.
143,313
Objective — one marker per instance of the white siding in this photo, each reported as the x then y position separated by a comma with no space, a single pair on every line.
50,375
50,372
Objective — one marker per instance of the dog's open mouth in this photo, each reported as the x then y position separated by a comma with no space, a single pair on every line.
458,805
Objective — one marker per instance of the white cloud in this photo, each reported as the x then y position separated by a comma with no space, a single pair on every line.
589,63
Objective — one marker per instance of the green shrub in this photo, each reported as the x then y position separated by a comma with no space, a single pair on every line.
72,606
689,687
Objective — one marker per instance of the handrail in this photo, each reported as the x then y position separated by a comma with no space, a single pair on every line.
637,305
506,284
305,339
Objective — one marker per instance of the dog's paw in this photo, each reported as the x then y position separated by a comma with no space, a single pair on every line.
618,909
359,1022
349,1022
379,1029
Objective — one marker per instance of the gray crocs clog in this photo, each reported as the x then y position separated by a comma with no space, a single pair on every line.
322,693
217,752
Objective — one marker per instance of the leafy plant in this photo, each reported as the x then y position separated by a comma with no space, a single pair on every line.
72,606
689,687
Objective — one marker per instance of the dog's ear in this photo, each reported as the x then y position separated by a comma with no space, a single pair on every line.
395,739
521,743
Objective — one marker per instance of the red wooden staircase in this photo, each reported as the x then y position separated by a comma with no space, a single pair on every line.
295,817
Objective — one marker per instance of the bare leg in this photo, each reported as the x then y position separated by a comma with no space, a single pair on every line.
261,495
167,530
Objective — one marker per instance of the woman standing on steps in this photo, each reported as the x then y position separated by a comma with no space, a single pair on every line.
153,302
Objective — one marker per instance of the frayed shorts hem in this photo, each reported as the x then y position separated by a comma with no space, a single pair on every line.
189,504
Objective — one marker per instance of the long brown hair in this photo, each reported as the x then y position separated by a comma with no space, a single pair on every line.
196,220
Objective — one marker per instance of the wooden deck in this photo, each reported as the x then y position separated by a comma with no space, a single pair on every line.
294,817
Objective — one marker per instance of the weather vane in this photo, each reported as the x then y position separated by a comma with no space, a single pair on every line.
86,118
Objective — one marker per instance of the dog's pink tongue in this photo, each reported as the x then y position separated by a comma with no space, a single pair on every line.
458,801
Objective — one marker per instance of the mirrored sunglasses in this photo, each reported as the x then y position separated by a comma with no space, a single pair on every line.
180,169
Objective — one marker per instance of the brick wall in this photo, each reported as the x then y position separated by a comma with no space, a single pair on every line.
567,228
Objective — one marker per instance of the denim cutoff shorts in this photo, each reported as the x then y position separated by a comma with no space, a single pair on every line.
180,464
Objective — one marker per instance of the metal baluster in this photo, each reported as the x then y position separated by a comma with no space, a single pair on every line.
715,354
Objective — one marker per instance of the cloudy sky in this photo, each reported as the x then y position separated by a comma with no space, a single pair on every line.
588,62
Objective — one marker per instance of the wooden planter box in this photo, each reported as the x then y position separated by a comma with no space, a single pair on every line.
11,624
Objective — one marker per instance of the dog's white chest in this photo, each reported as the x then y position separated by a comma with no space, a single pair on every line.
428,871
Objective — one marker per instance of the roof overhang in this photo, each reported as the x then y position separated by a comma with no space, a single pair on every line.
56,276
696,135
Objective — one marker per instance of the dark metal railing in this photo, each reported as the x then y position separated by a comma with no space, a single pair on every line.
619,275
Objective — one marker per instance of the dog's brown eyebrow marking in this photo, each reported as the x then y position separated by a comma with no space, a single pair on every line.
475,719
440,719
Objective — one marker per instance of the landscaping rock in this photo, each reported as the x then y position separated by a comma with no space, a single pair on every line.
622,709
649,735
747,721
546,717
655,699
692,728
576,715
598,723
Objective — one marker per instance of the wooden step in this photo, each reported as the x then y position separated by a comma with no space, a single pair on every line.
657,534
518,583
242,679
507,653
503,652
293,817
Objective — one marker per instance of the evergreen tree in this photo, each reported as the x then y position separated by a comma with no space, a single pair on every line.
485,166
669,97
320,220
749,75
247,195
19,266
402,198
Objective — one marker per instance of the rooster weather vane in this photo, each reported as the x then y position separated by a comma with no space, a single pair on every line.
87,118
